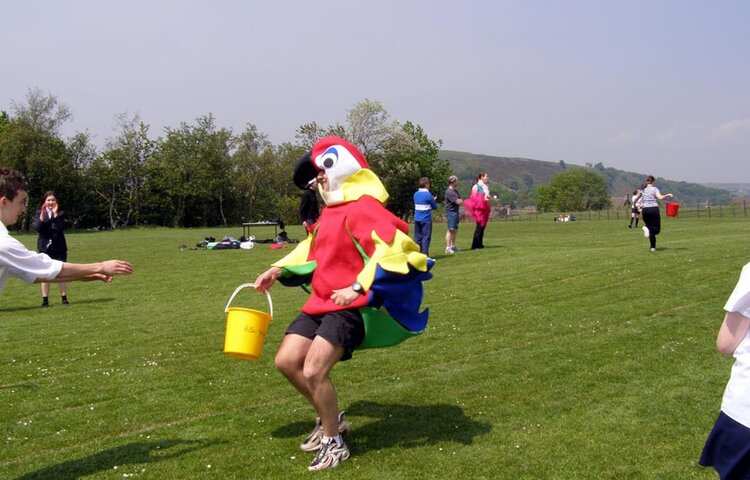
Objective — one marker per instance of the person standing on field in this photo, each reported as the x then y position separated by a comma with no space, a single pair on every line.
452,202
49,222
478,205
635,208
424,204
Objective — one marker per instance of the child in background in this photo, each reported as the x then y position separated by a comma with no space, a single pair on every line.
635,207
49,222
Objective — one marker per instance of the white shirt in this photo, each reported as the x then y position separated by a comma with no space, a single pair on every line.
482,187
736,401
639,201
19,261
649,196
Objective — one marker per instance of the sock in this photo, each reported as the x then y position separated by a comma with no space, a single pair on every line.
336,439
45,300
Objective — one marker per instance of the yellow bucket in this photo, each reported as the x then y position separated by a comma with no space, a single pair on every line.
246,328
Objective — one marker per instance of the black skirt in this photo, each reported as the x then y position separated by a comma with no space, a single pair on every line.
728,449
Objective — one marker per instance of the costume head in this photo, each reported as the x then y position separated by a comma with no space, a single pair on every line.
349,175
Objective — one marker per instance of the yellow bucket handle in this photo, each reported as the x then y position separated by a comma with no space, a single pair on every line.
245,285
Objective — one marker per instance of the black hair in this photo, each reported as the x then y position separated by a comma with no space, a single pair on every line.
11,182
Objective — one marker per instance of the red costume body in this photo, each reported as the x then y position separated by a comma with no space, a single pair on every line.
337,257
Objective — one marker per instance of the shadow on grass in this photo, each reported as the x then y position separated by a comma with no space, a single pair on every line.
664,249
405,426
52,305
130,454
28,385
463,251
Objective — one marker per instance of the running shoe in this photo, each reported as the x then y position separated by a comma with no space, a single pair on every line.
329,456
645,231
312,442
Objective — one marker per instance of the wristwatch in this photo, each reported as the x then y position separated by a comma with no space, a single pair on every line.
357,287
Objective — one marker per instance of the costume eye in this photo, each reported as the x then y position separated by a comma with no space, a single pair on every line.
329,158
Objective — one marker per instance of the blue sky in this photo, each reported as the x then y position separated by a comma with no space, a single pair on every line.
657,87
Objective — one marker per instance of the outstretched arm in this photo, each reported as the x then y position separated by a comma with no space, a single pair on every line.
666,195
103,271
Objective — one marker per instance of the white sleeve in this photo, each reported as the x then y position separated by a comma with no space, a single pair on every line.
25,264
739,300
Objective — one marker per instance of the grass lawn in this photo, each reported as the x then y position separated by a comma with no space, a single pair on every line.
560,351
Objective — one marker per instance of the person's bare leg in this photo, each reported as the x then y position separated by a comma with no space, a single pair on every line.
45,289
290,360
320,359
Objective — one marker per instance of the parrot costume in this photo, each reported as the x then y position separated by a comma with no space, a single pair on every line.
356,239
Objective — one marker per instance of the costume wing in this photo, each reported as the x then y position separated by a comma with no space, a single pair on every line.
296,269
394,274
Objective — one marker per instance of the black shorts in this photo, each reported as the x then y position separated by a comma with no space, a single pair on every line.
344,328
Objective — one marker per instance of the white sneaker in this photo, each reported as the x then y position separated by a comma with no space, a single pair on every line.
653,249
312,442
645,231
329,456
449,251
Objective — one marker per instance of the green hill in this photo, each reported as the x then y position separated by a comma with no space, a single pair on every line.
516,177
736,189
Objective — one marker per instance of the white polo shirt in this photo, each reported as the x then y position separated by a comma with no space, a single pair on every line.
736,401
19,261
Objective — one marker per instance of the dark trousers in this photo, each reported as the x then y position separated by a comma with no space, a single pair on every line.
652,219
478,240
423,236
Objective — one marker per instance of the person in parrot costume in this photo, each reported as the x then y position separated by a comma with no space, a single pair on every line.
365,278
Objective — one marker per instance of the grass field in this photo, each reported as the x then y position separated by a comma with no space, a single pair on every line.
560,351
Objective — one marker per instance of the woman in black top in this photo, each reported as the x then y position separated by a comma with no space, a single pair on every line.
49,223
309,211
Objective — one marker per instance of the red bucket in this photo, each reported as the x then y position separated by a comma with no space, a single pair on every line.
672,208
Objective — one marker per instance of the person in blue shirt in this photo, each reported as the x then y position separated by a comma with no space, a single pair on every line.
424,204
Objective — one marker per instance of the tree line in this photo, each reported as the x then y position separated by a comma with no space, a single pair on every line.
197,174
